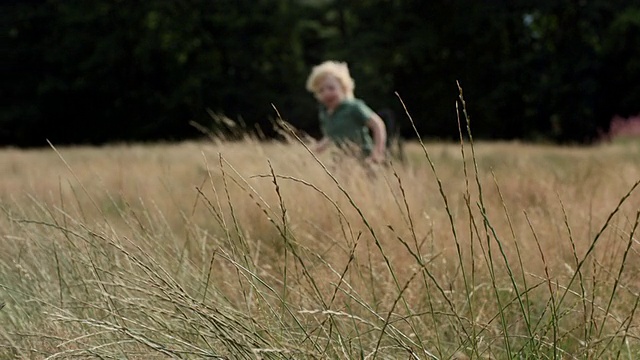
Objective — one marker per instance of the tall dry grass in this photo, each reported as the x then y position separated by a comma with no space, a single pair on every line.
258,250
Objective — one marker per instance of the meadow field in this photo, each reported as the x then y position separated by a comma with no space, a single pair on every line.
258,250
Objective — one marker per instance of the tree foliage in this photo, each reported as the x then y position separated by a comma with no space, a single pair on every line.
115,70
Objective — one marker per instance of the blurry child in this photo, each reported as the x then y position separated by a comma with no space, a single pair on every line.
344,119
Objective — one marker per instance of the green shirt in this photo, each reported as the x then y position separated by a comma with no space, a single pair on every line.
348,124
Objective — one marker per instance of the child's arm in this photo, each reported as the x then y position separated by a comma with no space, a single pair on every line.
376,125
321,145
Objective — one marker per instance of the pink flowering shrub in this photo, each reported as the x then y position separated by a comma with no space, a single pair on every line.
623,128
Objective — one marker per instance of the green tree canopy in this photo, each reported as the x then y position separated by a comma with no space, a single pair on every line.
113,70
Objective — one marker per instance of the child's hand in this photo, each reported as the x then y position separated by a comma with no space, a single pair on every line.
321,145
375,158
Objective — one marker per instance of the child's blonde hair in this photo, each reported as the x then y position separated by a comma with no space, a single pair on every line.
339,70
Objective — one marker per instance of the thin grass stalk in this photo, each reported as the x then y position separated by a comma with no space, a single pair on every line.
94,269
352,257
244,252
84,189
354,205
594,286
593,243
554,307
265,209
447,209
341,280
624,339
55,250
511,276
619,275
402,208
427,278
342,218
526,309
419,258
467,286
387,319
216,211
247,272
349,198
583,295
284,234
485,221
207,282
298,258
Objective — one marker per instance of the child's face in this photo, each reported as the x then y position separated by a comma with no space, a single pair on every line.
330,92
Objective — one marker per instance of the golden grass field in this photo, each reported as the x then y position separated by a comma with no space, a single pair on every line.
255,250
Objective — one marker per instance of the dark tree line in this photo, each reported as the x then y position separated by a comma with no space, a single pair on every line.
79,71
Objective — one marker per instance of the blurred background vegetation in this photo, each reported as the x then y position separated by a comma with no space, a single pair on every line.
79,71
